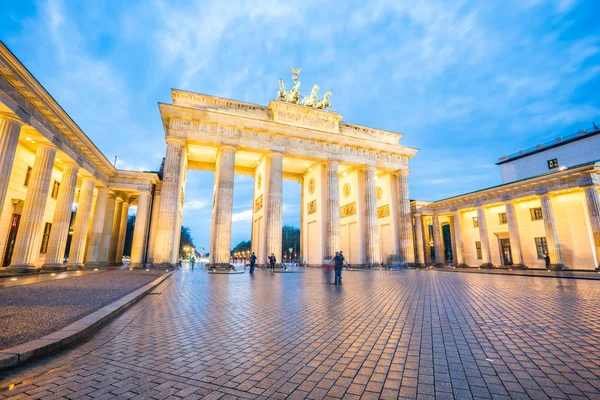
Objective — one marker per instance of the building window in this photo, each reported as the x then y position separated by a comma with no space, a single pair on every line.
502,218
27,176
541,246
553,163
46,237
536,213
55,187
478,248
475,222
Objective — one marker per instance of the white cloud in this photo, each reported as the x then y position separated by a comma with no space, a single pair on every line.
194,205
245,215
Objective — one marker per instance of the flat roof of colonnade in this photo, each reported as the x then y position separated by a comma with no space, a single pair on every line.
303,135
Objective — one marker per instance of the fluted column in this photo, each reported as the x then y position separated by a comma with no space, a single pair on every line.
372,244
62,218
27,245
116,228
459,257
552,241
592,200
107,231
437,241
138,245
513,234
95,237
427,240
486,256
167,215
81,224
10,129
274,204
405,228
153,226
419,247
118,260
220,241
332,230
301,249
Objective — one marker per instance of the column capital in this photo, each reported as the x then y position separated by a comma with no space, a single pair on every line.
417,214
45,145
403,172
368,168
332,162
272,154
180,141
5,116
227,147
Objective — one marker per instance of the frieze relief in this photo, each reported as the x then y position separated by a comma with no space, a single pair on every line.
348,210
258,203
312,207
383,211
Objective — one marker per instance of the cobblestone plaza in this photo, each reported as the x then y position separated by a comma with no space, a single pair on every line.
413,334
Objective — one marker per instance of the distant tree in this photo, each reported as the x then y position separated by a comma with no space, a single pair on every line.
186,240
242,246
129,235
290,239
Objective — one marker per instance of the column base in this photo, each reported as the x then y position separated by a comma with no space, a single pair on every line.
519,266
439,265
164,265
222,266
462,265
54,267
24,268
96,264
419,265
558,267
75,266
137,265
487,265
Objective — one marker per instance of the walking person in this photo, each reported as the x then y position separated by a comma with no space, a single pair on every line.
272,260
252,262
339,264
547,259
193,261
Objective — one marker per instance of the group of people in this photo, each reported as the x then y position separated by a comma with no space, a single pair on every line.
253,258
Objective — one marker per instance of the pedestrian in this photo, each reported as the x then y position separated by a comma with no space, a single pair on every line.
193,261
339,264
547,259
180,262
252,262
272,260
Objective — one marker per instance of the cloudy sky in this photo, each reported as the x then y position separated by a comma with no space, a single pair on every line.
465,82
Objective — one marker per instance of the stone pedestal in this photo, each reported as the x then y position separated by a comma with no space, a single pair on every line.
29,237
405,228
372,245
220,241
10,129
62,218
274,205
122,231
81,224
332,227
109,218
114,238
170,197
140,229
556,260
592,200
513,234
459,257
419,246
486,256
437,242
95,237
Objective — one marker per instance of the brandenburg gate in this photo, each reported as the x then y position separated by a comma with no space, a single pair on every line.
354,179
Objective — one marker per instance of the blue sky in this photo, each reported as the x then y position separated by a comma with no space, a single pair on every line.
465,82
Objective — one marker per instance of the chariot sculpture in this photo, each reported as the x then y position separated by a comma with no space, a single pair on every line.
293,95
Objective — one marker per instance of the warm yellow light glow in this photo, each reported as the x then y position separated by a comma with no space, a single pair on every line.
95,269
52,274
29,139
13,279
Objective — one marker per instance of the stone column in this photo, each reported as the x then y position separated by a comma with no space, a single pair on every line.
81,224
220,242
140,230
372,245
116,229
62,218
167,214
459,257
153,226
274,205
332,229
29,237
552,241
426,240
486,256
95,237
10,127
513,234
437,242
107,231
419,247
118,260
592,200
301,249
405,227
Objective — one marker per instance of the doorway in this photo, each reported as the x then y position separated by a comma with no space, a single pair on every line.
506,252
12,236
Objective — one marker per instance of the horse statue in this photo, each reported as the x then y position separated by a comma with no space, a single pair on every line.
310,100
326,102
295,73
293,96
281,94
